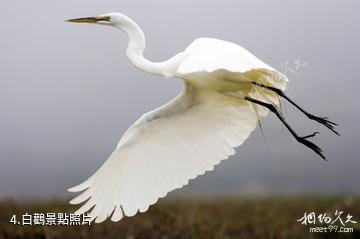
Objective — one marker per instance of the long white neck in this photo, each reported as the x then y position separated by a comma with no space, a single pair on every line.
136,47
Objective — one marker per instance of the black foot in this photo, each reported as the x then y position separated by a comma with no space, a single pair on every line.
325,121
310,144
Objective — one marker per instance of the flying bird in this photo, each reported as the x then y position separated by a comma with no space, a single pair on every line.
226,91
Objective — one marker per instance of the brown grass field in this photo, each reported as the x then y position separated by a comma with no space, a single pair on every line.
192,218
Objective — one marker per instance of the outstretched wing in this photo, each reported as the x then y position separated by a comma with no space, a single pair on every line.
163,150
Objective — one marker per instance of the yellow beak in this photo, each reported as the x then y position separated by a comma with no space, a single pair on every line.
89,19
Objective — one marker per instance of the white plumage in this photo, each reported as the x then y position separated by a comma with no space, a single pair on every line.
188,136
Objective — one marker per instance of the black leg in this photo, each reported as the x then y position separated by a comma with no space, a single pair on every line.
322,120
302,140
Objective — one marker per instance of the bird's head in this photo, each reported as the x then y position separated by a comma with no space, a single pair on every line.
112,19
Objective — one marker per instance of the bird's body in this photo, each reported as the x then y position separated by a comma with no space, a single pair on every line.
186,137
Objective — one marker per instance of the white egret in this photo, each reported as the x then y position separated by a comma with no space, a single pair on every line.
226,90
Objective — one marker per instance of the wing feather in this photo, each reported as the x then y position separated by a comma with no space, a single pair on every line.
163,150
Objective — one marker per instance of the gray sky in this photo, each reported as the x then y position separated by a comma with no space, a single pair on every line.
68,93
